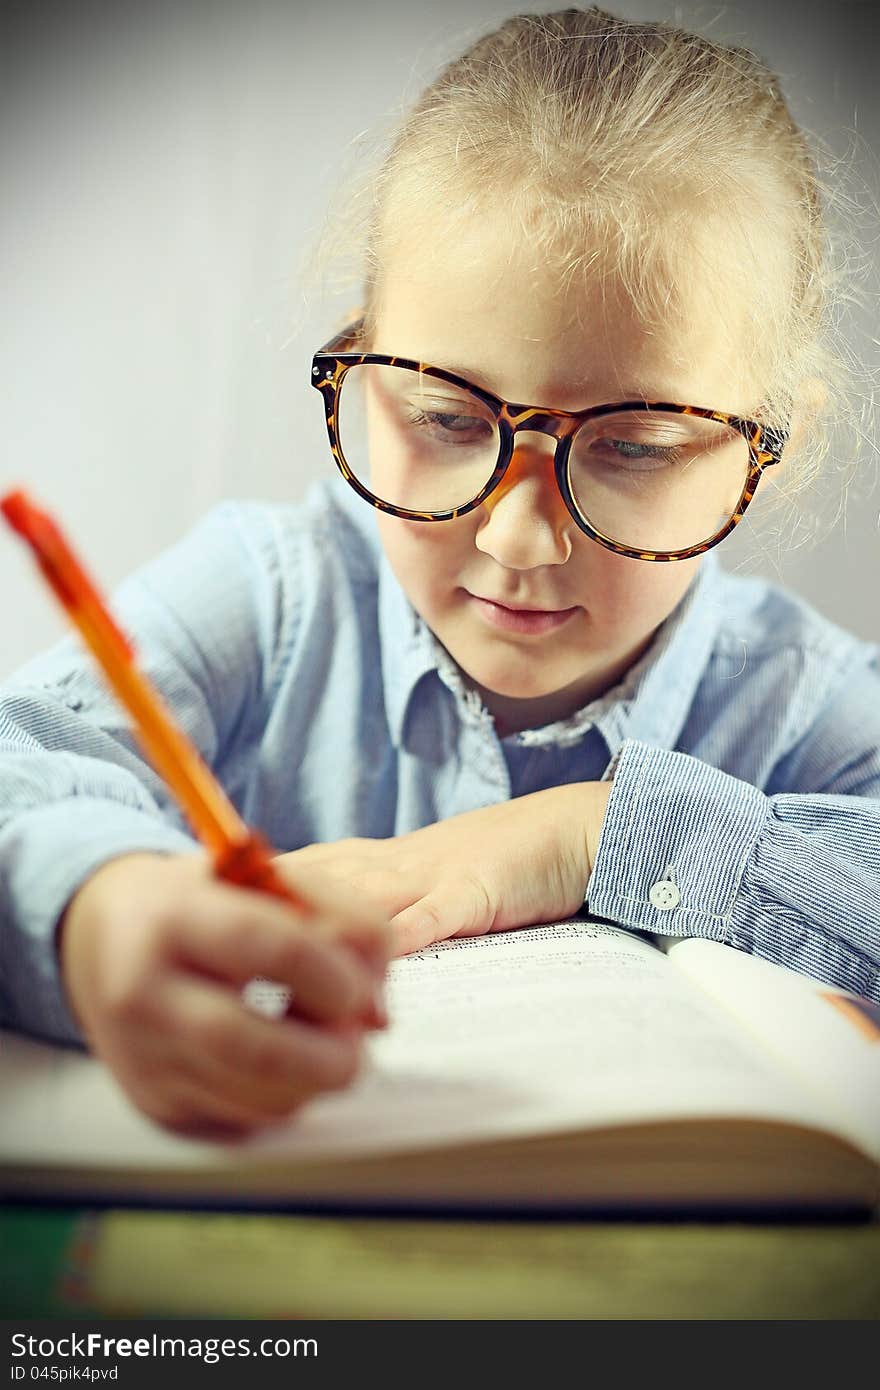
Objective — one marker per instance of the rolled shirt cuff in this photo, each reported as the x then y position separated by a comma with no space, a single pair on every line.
675,841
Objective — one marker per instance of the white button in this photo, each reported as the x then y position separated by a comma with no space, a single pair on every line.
664,894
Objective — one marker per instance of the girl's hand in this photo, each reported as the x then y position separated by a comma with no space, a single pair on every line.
155,952
523,862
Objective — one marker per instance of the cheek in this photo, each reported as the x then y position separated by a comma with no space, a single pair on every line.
425,556
632,595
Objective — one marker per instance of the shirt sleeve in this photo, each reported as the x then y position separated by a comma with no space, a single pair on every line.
75,790
790,873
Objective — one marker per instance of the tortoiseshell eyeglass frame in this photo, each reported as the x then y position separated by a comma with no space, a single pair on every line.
331,363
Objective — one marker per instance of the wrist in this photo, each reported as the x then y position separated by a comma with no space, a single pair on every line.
580,809
596,805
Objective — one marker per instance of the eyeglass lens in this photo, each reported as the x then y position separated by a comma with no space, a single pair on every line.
652,480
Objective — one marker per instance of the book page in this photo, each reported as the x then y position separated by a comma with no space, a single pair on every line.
825,1036
554,1028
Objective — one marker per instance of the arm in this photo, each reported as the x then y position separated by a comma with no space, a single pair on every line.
791,874
75,791
519,863
145,958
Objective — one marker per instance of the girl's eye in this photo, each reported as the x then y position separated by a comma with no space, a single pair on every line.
449,426
638,458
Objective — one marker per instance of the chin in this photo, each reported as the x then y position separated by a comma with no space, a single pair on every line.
525,684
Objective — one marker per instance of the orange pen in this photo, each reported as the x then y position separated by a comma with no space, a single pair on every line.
240,855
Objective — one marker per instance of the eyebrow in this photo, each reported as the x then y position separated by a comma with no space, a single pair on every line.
618,393
456,369
615,392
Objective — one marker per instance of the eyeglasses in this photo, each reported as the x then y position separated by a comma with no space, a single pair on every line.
651,480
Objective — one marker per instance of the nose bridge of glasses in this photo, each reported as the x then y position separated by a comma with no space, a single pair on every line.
528,461
524,419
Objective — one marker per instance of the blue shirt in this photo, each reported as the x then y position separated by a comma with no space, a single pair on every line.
744,746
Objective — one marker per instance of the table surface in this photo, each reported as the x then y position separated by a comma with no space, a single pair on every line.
117,1262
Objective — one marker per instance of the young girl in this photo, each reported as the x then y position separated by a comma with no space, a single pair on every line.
493,670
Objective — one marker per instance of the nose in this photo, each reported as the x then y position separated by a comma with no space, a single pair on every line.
525,523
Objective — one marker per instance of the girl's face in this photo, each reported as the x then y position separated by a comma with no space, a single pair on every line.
481,308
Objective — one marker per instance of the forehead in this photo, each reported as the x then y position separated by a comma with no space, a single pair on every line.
478,297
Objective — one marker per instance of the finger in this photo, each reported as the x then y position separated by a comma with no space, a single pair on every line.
373,948
419,925
238,935
460,908
265,1100
195,1112
363,925
268,1065
350,915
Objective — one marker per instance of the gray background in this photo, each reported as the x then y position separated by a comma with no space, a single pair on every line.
163,172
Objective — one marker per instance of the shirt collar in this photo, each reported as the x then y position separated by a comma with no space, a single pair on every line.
650,703
409,650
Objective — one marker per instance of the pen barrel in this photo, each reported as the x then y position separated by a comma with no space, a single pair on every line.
240,855
249,865
210,812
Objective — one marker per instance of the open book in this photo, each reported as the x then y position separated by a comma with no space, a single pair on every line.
570,1066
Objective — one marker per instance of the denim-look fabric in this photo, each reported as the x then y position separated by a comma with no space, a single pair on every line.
744,746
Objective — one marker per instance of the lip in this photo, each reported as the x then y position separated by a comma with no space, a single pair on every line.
524,620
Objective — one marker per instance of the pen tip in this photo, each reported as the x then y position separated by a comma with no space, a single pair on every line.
16,508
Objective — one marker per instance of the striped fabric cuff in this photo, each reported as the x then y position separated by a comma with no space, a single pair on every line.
675,841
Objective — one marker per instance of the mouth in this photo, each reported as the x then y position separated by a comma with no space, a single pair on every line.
524,620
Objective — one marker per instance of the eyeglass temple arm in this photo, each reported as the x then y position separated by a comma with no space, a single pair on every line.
345,340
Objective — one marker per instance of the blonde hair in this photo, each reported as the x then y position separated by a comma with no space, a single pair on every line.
638,151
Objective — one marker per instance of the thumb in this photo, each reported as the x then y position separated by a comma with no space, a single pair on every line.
372,943
455,908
